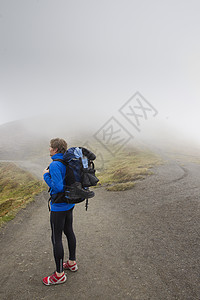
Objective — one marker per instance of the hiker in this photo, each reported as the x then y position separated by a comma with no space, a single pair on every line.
61,215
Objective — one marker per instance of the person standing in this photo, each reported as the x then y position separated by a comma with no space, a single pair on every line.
61,214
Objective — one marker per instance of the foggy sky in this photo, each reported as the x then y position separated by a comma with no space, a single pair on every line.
86,56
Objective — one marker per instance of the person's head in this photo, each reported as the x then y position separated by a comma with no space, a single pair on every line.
57,146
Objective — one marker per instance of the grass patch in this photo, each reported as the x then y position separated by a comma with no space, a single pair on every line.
17,188
122,171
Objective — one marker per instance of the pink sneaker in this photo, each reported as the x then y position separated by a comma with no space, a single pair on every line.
72,268
54,279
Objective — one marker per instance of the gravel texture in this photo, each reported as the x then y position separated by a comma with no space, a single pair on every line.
142,244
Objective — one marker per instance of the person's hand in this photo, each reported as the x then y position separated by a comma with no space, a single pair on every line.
46,170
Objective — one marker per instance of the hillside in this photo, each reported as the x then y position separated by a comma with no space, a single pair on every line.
17,188
29,138
18,143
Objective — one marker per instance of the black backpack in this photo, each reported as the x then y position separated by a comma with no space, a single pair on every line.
80,175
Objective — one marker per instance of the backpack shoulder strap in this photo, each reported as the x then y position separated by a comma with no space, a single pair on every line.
69,176
62,161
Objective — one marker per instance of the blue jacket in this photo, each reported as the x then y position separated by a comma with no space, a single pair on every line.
55,180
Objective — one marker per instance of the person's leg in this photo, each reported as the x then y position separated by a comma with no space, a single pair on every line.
57,220
71,238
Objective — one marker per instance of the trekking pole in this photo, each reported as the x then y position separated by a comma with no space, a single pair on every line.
86,204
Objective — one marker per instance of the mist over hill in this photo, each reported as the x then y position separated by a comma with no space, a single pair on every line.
17,143
28,139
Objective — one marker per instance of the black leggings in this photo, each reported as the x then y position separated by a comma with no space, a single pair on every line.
62,221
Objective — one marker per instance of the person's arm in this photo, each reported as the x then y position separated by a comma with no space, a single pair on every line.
53,178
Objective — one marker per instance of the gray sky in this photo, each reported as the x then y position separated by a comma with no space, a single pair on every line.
92,56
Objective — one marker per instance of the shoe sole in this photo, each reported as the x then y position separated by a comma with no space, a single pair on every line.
71,270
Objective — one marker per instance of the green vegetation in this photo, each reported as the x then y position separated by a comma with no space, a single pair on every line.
17,188
128,166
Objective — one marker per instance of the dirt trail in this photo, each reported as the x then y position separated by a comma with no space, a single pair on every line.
139,244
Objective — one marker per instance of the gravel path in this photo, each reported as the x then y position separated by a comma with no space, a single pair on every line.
138,244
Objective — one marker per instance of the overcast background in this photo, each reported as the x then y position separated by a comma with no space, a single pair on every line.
89,57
